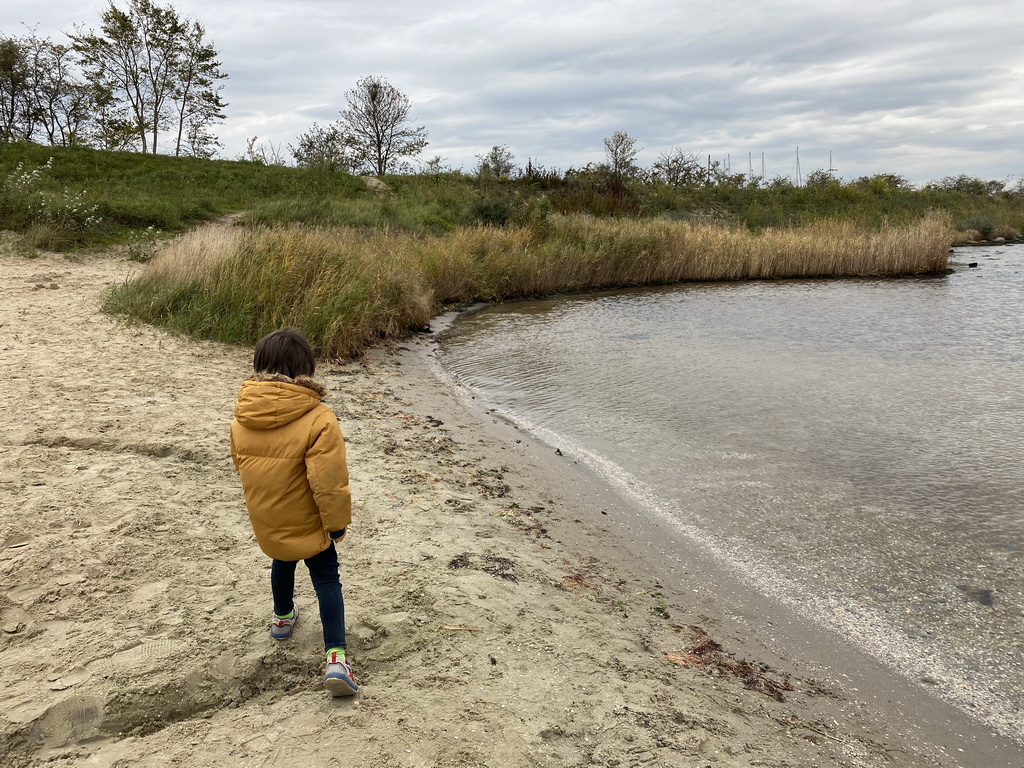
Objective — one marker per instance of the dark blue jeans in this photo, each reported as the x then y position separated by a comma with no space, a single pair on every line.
323,572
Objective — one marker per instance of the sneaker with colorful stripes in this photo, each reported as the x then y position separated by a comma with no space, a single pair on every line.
338,676
281,628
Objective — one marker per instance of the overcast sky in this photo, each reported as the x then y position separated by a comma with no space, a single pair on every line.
920,88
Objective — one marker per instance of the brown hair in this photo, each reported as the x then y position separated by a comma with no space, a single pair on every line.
285,352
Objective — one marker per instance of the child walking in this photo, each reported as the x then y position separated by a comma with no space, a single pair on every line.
290,455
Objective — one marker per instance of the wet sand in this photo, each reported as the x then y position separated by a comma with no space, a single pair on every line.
503,608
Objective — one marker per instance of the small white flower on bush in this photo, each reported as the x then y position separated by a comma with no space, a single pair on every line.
65,210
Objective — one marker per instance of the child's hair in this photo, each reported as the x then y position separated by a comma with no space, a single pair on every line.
286,352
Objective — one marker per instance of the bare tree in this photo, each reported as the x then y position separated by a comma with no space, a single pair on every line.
621,151
377,122
679,168
263,152
496,164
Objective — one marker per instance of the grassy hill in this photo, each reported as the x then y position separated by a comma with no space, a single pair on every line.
88,197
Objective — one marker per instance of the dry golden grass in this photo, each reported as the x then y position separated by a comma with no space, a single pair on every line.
967,236
347,288
1007,233
193,255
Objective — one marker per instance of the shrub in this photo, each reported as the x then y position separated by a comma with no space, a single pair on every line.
969,185
49,219
143,244
980,223
494,211
18,193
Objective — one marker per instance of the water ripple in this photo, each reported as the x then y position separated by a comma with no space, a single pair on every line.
860,431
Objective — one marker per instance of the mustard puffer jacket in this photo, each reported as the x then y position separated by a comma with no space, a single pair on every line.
290,455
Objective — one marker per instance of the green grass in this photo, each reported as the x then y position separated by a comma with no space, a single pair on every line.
351,265
135,191
132,192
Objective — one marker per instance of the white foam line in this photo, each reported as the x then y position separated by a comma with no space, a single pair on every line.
867,630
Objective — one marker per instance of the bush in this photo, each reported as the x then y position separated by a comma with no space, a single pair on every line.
492,211
979,223
50,220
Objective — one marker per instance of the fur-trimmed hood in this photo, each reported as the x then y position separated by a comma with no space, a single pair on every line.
267,400
303,381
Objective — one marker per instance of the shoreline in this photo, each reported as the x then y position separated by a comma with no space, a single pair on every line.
763,618
496,617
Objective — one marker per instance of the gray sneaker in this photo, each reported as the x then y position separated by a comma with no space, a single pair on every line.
338,676
281,629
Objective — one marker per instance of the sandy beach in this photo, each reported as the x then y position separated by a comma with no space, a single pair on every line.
496,614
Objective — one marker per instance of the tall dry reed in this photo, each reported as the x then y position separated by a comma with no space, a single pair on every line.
348,288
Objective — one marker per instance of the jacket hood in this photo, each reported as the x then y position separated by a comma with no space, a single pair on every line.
268,400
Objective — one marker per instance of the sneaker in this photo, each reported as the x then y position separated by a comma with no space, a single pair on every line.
281,629
338,677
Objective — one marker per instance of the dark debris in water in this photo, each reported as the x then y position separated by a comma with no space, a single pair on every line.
979,595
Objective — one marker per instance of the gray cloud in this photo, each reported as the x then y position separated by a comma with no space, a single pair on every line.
920,88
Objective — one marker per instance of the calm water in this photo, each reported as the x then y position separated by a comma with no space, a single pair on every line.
853,446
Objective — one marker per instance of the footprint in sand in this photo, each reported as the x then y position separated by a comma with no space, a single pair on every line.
69,721
137,660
